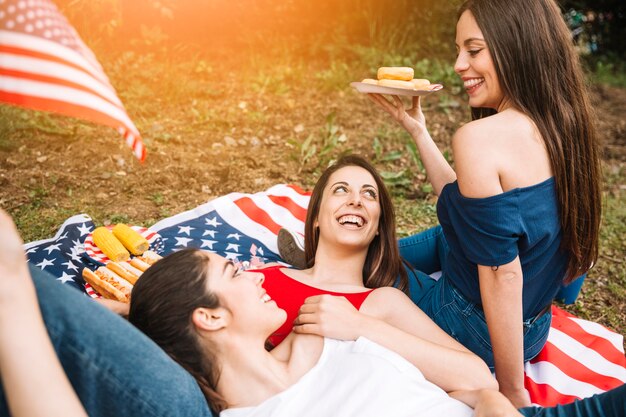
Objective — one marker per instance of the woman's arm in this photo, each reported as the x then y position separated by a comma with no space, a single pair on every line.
501,294
438,170
441,359
487,403
32,377
479,162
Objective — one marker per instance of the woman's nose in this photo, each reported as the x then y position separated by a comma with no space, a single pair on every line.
355,199
460,64
259,278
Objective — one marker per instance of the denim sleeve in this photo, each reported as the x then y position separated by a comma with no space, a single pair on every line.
114,368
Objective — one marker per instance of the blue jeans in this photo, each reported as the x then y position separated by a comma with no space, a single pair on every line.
457,316
610,403
465,322
425,251
114,368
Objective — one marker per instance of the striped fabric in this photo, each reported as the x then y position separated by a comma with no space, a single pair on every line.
580,359
44,65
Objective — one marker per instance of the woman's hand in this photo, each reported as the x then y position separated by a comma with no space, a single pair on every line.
329,316
438,170
486,403
115,306
412,120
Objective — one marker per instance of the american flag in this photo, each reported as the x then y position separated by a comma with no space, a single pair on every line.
581,358
44,65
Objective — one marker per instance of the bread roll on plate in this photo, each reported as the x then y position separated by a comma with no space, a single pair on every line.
139,264
125,271
150,257
420,84
395,73
396,84
112,285
144,261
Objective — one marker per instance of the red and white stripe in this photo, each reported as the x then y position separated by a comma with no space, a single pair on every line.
262,215
41,74
579,360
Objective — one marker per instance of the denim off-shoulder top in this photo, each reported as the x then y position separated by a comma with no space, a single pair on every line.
492,231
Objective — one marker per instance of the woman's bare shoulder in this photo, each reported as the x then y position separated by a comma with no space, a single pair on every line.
381,302
477,158
489,151
499,128
298,344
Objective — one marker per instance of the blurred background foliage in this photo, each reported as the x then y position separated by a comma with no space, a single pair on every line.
303,23
331,29
251,23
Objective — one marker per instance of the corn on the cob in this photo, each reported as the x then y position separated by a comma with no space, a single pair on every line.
109,245
133,241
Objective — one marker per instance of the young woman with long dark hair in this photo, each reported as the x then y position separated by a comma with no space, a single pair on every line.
520,211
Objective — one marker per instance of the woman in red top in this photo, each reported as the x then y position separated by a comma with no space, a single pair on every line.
352,253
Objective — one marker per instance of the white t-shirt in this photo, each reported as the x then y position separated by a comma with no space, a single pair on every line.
359,379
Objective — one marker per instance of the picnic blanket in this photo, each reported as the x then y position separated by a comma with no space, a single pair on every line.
581,358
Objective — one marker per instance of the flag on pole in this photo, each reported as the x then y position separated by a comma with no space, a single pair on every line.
44,65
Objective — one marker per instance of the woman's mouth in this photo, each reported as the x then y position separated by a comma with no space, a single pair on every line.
351,220
473,84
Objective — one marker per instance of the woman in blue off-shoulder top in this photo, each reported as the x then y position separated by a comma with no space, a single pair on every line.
520,211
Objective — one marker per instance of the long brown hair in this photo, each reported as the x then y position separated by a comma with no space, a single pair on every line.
540,72
383,264
162,303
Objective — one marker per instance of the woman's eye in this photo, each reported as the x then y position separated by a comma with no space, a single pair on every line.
370,193
340,189
474,52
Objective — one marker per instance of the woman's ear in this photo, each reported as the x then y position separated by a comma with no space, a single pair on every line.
210,319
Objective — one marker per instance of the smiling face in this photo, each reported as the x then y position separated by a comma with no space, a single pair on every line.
474,65
349,212
242,294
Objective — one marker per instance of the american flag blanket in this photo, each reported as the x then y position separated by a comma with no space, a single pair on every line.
581,358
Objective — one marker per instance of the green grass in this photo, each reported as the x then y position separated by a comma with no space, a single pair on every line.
609,70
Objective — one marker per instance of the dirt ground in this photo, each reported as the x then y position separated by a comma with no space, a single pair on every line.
61,164
204,141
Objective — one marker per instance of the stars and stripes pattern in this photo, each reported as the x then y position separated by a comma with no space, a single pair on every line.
580,359
44,65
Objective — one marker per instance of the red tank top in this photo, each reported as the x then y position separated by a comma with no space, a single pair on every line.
289,294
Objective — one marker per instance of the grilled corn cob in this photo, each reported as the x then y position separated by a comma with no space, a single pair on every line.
133,241
109,245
